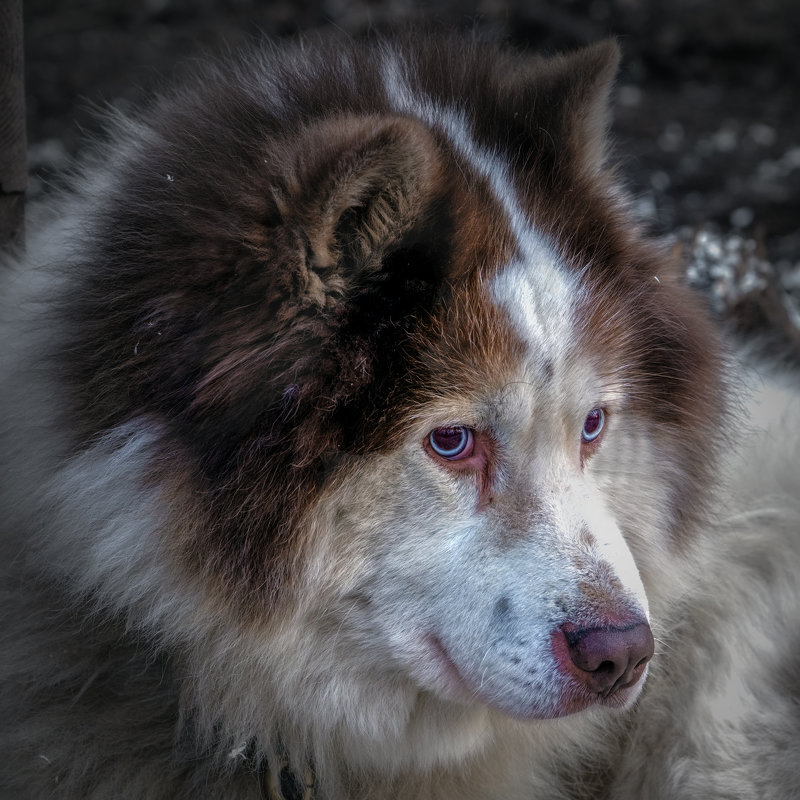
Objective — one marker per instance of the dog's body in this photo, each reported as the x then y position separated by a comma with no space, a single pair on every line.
353,430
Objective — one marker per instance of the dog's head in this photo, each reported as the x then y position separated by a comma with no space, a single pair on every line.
430,408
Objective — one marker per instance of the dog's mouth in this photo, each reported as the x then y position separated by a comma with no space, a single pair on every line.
454,682
588,667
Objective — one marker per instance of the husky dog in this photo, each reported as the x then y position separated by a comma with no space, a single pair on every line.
358,443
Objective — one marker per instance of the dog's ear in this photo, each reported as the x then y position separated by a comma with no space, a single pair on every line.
567,101
356,187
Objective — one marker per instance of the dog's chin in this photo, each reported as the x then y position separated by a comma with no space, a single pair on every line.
576,700
571,701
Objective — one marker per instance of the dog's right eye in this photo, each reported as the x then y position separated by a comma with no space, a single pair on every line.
452,443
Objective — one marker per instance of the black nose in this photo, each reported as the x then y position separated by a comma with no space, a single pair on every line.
609,659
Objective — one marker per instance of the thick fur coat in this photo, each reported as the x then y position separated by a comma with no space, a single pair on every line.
357,443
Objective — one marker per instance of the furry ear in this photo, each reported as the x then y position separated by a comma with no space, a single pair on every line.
357,185
570,97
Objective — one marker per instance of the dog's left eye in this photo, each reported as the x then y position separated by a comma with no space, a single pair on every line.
593,425
453,442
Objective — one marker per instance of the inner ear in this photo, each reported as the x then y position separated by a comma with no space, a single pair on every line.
359,184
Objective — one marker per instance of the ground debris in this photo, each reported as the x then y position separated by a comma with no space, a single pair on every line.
741,284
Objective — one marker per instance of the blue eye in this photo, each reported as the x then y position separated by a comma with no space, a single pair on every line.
453,442
593,425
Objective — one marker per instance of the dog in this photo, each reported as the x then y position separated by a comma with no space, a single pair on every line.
358,442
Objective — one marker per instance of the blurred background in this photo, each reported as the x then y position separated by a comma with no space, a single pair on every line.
707,111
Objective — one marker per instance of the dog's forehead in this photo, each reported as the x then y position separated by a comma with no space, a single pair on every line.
539,296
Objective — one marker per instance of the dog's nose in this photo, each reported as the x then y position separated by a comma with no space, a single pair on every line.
608,658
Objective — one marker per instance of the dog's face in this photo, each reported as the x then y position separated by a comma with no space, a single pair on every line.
482,549
426,409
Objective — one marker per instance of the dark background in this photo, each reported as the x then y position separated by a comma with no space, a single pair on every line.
707,117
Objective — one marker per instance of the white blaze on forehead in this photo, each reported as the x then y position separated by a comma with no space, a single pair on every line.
536,289
539,296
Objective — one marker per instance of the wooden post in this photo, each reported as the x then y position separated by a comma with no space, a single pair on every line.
13,163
